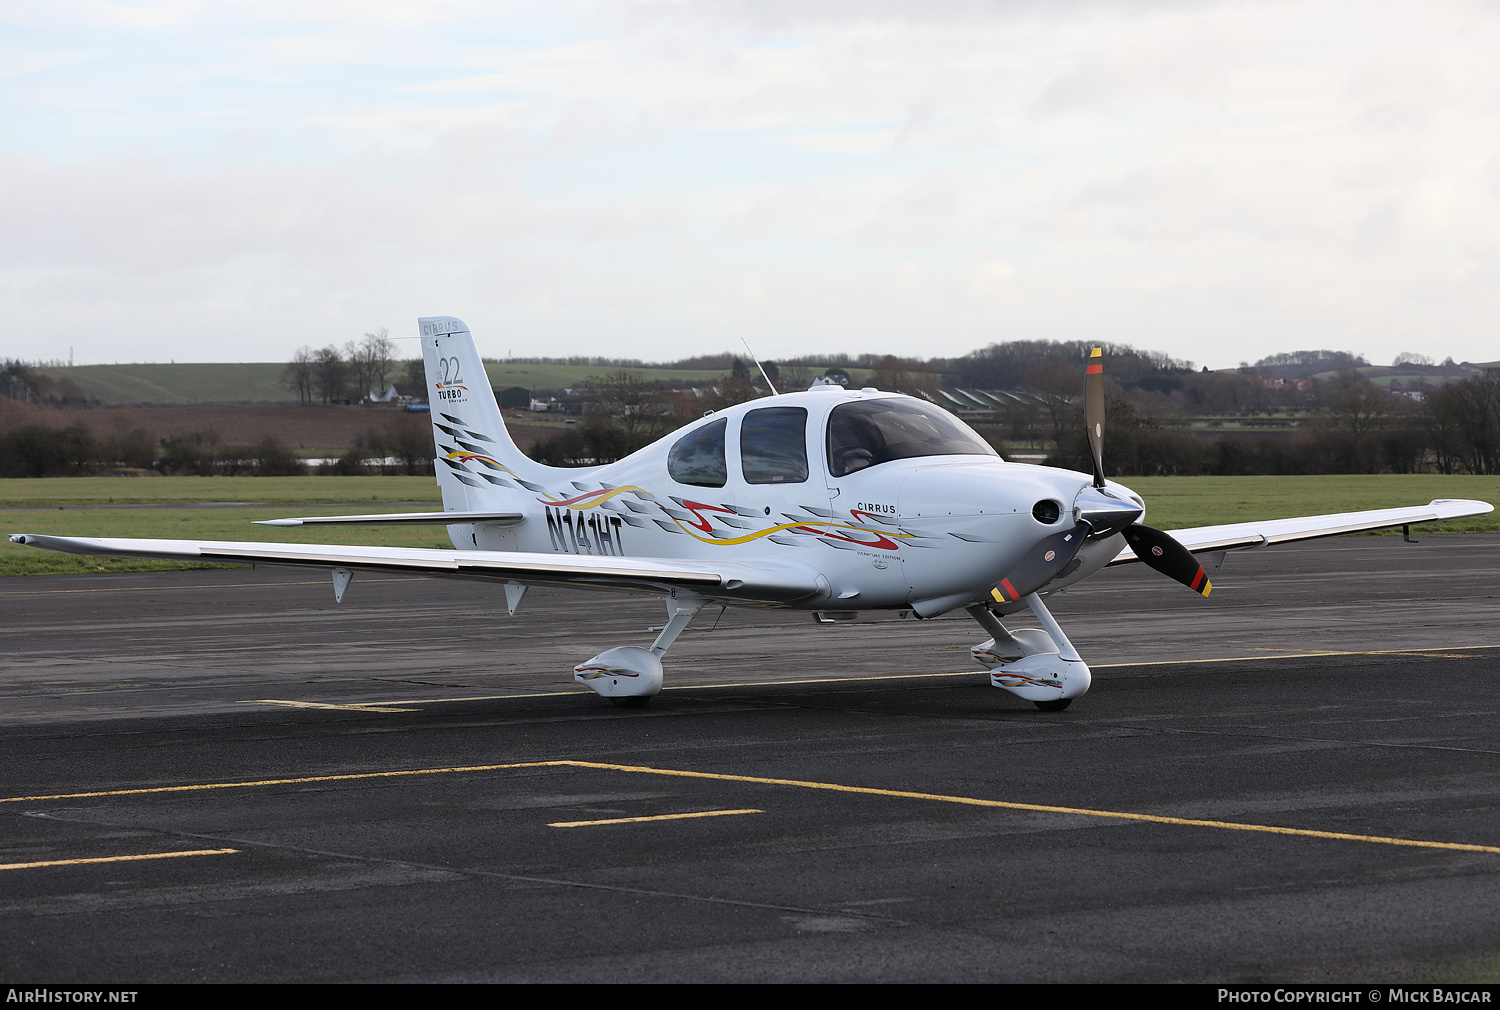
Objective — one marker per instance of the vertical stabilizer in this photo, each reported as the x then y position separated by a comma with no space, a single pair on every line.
478,466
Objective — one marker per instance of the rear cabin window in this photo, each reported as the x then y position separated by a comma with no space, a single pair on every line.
698,457
773,445
867,433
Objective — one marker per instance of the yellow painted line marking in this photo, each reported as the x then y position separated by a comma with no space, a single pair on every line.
1044,808
1389,532
1433,653
658,817
586,692
345,708
371,707
114,859
972,801
301,780
1439,653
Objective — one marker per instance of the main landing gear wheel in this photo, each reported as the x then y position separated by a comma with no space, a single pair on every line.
635,701
1045,706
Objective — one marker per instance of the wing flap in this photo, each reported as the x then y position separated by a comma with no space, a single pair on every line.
1239,536
402,519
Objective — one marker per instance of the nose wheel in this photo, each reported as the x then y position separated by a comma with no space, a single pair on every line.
1041,667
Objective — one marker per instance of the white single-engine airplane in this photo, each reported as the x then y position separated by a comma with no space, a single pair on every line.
830,500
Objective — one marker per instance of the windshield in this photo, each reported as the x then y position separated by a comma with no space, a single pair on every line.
870,432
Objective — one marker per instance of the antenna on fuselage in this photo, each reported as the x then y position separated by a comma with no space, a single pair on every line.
760,366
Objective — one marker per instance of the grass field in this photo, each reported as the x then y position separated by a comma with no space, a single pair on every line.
63,491
99,506
69,506
502,375
1178,502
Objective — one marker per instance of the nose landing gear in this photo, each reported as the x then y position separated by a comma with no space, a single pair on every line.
1039,666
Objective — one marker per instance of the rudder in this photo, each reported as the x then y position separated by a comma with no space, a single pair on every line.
478,466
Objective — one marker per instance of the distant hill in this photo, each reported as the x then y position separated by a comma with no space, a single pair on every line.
186,383
1412,375
177,384
503,375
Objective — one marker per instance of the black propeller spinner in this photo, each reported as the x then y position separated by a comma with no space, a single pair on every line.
1158,550
1155,548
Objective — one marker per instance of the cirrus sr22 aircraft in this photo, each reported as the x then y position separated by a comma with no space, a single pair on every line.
831,501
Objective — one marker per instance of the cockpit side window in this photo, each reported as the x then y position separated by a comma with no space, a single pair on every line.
773,445
867,433
698,457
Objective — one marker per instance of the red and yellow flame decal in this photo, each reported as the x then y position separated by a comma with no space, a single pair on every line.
701,523
698,508
589,499
470,457
1016,680
882,541
595,672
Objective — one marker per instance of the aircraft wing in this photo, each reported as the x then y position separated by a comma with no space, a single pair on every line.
1237,536
768,581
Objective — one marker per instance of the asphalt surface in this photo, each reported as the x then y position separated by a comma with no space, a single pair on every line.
377,789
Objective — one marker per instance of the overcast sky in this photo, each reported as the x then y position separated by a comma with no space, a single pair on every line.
229,181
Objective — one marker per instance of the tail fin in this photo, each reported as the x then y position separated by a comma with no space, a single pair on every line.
478,466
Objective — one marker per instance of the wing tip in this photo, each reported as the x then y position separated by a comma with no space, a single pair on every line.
1479,507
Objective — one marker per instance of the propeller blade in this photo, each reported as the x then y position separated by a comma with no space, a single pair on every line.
1158,550
1093,411
1041,564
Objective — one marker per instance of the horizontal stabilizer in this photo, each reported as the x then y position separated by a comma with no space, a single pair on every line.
402,519
1236,536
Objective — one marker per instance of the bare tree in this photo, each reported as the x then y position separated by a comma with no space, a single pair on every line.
905,376
329,371
729,391
1056,387
1470,411
1411,358
637,410
1347,430
299,374
370,361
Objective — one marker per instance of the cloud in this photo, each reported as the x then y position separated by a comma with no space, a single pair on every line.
652,179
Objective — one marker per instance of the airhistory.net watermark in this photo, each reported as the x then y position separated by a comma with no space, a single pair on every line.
70,995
